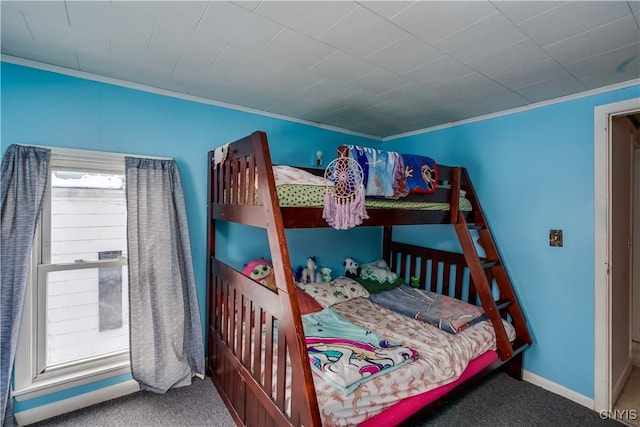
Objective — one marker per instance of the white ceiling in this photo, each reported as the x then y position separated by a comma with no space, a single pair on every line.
380,68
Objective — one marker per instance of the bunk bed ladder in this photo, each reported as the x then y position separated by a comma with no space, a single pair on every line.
484,271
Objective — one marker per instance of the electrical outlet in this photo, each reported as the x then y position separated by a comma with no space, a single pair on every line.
555,238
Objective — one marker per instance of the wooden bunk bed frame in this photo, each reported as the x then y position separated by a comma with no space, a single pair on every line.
250,361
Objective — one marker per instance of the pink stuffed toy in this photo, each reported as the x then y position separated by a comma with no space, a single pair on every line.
260,270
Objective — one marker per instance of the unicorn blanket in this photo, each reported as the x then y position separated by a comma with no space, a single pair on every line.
346,355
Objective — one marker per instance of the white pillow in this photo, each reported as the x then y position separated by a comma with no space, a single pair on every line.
378,271
290,175
338,290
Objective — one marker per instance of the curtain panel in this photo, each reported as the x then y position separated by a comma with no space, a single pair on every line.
25,173
166,343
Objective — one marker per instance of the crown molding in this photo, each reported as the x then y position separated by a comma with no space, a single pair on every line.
137,86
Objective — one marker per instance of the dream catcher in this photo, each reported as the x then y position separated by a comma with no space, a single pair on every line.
344,199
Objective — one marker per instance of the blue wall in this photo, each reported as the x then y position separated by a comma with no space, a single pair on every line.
534,171
45,108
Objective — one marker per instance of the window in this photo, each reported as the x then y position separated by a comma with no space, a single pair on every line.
76,323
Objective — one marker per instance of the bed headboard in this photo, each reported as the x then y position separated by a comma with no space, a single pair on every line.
438,271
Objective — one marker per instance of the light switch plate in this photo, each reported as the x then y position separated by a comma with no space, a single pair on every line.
555,238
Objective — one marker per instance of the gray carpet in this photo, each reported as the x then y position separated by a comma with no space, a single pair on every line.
196,405
497,401
501,401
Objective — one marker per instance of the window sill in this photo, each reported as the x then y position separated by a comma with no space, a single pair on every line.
43,387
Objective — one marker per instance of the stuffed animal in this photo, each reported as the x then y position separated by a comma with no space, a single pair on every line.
325,274
351,268
308,274
260,270
311,268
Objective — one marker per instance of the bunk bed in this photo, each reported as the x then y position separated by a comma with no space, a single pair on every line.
257,354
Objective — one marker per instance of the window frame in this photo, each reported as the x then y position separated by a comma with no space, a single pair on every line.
29,382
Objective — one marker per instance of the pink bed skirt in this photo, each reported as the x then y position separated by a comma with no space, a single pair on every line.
402,410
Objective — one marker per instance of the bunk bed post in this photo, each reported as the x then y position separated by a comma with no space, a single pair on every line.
455,194
211,248
514,366
310,415
386,243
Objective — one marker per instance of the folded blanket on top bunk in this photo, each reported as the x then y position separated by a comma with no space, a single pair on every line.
421,173
449,314
346,355
393,175
383,171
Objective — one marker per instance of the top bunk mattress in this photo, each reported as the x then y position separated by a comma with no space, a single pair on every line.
299,188
312,196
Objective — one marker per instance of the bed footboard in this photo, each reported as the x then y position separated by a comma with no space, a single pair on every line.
257,356
246,350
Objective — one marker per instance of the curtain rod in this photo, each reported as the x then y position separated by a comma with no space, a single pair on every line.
66,150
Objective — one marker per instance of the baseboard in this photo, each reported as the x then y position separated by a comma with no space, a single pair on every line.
622,380
60,407
558,389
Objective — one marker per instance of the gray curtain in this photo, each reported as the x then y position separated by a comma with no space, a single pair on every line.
25,172
165,330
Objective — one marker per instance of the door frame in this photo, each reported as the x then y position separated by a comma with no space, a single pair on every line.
602,248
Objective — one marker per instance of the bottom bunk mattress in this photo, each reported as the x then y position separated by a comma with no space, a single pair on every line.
443,358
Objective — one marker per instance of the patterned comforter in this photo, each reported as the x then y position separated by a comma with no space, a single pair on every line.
346,355
443,358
